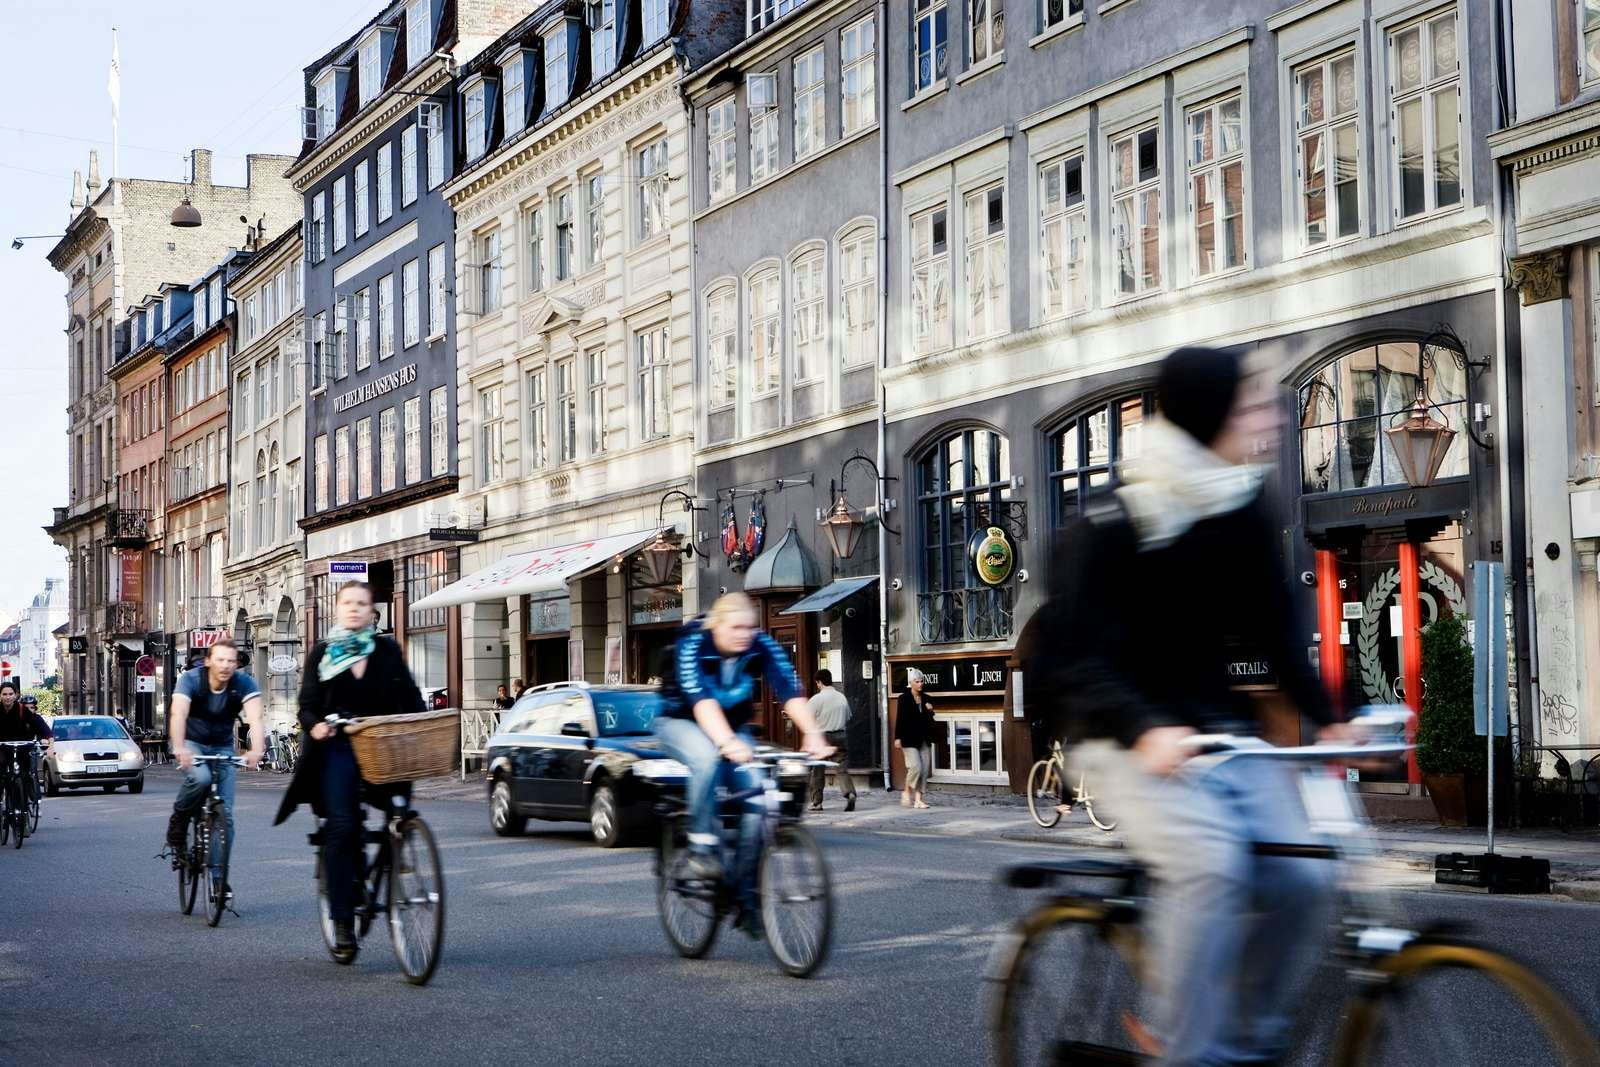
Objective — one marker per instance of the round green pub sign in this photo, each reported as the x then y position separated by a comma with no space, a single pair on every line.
994,557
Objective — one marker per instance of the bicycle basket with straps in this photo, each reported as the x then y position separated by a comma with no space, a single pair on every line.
405,748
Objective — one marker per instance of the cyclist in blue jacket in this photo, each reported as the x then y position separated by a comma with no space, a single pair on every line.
709,702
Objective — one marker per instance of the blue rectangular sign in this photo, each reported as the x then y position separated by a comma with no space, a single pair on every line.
1490,685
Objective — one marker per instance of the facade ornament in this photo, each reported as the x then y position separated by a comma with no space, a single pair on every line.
1540,276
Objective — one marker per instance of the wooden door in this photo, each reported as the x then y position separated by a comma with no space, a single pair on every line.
793,633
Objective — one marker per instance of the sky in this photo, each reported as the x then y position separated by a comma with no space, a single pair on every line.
220,75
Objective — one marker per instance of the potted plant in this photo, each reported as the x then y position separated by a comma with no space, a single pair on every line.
1450,754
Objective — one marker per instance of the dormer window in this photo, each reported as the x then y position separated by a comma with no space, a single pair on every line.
141,321
556,80
477,127
653,16
601,16
419,31
327,110
370,70
512,69
200,320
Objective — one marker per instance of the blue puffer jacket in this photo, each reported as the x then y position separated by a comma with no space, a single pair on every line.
699,672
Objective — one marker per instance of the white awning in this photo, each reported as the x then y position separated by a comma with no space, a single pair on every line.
543,570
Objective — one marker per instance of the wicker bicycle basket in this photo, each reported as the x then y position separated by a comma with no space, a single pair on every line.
405,748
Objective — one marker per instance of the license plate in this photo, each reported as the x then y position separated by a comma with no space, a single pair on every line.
102,768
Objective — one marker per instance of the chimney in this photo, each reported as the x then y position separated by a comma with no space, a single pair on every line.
201,174
94,172
76,203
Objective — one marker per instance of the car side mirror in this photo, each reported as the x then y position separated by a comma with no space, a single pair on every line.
573,729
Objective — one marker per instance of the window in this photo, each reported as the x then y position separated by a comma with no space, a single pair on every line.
386,450
252,323
491,442
766,332
1328,149
963,485
385,316
808,310
263,532
655,383
761,99
594,218
413,442
476,131
986,261
419,31
1064,237
363,458
654,18
1136,211
538,426
764,12
722,175
410,309
986,30
319,348
436,290
555,67
272,497
930,281
489,276
263,396
566,412
1425,112
1589,29
1058,11
438,431
515,105
363,191
1087,452
1216,186
858,79
426,573
340,185
535,229
272,375
363,329
341,465
385,181
858,296
341,337
602,19
653,189
241,515
1346,406
931,60
243,394
319,229
595,368
436,154
408,166
217,310
563,235
722,347
810,104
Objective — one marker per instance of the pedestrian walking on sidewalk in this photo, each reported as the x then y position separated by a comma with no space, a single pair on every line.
913,736
833,719
502,699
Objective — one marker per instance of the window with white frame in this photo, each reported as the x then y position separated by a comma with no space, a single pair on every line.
986,30
930,280
263,396
491,442
272,374
810,104
987,267
340,185
319,460
653,16
363,458
410,307
566,411
263,530
363,312
385,317
252,323
514,103
1216,186
341,465
369,70
655,382
858,78
363,191
533,225
1063,237
538,435
319,348
241,515
722,174
243,415
808,308
601,16
327,109
563,235
555,66
436,287
385,181
319,228
931,58
761,100
489,274
1589,39
413,440
764,12
766,331
1058,11
858,296
1327,128
436,152
594,219
387,447
722,347
1425,113
342,316
1136,211
217,310
408,166
419,31
477,133
594,362
439,431
652,160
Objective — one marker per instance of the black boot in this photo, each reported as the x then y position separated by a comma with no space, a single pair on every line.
850,802
177,829
344,941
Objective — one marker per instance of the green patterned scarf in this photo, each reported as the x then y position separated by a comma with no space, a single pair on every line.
344,648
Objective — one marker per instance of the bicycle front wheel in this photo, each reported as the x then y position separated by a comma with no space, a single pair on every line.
1044,793
416,900
34,790
16,814
217,867
1443,1003
796,901
189,867
1068,989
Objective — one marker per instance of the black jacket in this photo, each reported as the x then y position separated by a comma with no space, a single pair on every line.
20,724
913,726
396,694
1136,639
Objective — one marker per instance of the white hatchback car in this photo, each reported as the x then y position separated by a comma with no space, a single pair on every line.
92,750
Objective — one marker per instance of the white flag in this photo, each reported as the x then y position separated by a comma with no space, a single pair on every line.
114,80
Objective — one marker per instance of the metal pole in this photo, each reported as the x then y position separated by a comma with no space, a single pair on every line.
1490,732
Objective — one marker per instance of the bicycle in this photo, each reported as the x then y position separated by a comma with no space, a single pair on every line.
402,879
16,810
199,863
1047,790
1087,1000
792,883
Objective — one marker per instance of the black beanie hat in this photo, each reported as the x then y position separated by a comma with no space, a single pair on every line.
1196,389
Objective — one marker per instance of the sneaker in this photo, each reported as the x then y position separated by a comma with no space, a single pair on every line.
850,802
177,830
344,941
702,866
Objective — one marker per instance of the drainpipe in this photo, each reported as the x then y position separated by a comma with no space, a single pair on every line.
883,365
695,379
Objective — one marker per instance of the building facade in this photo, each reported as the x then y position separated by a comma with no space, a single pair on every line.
37,647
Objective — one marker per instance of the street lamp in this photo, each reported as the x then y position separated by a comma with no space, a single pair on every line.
16,242
186,215
1420,443
844,525
661,555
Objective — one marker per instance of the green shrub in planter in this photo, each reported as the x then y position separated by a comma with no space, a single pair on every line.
1446,743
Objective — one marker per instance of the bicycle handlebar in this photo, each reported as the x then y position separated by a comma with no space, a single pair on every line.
237,761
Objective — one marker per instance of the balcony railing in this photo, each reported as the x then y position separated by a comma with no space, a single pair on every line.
125,617
129,526
966,615
208,611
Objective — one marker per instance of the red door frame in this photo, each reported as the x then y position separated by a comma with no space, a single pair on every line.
1411,643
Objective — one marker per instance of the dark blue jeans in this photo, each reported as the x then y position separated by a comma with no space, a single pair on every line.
343,827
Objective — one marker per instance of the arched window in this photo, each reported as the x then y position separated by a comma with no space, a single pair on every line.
1346,406
722,346
963,482
766,331
808,308
262,528
272,494
858,295
1087,451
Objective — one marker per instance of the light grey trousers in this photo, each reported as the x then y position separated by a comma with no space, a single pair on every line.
1235,937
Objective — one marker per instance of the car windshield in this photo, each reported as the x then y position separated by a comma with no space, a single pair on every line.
625,714
89,730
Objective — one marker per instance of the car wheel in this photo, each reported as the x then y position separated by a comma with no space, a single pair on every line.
503,817
605,818
137,785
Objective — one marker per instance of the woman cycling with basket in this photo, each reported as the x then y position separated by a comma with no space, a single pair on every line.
353,672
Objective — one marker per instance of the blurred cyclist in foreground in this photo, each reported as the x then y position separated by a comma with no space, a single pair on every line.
1150,590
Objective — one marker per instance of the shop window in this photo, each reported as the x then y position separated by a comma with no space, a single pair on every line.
426,573
321,605
1087,452
1347,405
963,488
650,602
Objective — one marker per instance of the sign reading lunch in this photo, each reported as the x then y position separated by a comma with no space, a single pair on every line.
376,388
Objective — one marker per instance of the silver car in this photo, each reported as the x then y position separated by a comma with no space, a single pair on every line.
92,750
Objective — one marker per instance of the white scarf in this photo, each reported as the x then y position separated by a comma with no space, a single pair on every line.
1176,482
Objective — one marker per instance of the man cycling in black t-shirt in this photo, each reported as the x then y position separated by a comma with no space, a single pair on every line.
207,702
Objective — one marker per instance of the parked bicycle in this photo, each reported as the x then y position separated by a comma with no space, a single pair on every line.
1069,980
1047,792
204,859
283,749
795,911
19,806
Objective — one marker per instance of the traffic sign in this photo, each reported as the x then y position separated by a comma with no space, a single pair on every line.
144,683
144,666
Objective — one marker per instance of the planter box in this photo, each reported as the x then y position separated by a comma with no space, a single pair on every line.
1459,799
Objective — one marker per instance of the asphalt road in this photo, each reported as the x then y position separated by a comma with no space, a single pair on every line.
553,954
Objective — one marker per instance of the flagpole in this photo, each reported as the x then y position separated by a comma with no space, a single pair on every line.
114,87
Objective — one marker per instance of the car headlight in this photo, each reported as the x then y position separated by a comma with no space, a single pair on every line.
69,757
660,768
131,753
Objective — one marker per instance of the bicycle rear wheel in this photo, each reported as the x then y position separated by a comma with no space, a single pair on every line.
1087,798
1442,1003
687,907
796,901
189,868
416,900
1068,991
16,813
34,790
1045,793
217,868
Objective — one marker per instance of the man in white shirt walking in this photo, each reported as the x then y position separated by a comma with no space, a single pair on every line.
832,712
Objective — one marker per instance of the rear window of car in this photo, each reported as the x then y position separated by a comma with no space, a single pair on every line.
625,714
88,730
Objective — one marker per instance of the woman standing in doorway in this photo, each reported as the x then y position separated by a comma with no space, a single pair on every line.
913,736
